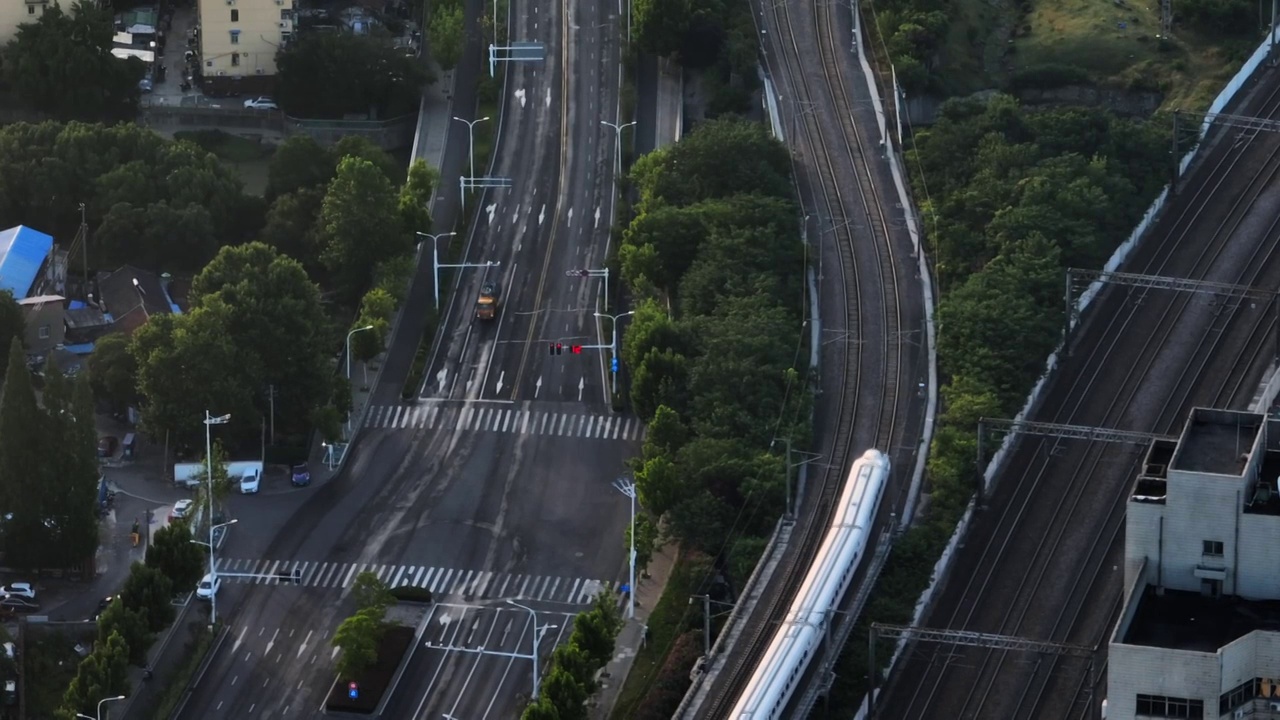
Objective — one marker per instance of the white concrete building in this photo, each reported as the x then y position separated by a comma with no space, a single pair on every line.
1199,636
19,12
239,40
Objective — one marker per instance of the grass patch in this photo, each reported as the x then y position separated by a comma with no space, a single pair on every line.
247,156
197,647
670,618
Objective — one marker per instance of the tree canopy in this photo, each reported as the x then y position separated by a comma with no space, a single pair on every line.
332,75
360,225
62,65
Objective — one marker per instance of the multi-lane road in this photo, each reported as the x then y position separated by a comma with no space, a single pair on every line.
496,484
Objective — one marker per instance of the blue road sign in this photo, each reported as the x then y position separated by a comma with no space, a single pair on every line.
613,365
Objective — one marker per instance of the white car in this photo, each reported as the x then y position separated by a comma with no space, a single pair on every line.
181,509
208,587
249,482
260,103
19,589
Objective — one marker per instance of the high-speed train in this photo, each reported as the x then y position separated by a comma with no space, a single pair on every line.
798,636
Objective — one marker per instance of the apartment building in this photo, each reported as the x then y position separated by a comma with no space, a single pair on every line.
239,40
18,12
1199,633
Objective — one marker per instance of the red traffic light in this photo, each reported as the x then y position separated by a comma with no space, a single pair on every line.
576,349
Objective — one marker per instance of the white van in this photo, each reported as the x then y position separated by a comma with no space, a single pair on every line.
249,481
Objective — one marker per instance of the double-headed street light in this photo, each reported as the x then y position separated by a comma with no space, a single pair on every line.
209,422
625,486
436,265
613,342
348,347
537,640
213,567
100,703
617,143
471,135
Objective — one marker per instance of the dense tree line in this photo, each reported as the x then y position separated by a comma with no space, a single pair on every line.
333,75
716,36
714,260
571,678
1013,198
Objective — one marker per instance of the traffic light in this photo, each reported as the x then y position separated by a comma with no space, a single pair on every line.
576,349
559,348
297,576
613,365
353,690
555,348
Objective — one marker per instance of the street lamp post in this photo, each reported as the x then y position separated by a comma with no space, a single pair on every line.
471,134
613,341
348,346
100,703
537,640
435,261
209,422
625,486
617,143
213,566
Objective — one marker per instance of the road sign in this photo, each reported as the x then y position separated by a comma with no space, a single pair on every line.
577,273
353,690
613,365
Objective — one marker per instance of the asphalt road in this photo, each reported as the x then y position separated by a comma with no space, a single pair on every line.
514,497
555,218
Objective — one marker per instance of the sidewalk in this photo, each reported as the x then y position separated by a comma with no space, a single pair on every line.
649,589
429,145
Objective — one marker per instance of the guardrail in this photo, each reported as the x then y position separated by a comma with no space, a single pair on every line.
389,134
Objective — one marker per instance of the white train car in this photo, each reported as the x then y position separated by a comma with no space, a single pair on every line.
801,631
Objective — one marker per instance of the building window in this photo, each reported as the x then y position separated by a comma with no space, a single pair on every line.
285,14
1240,695
31,9
1158,706
235,15
235,37
44,332
1213,548
235,59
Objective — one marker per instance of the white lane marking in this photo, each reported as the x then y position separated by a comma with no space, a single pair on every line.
570,217
542,214
598,224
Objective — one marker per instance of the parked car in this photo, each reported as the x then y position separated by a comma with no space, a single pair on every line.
107,446
249,482
181,509
17,603
103,604
260,103
301,475
208,587
18,589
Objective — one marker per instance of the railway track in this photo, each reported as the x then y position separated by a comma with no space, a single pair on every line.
1050,563
828,149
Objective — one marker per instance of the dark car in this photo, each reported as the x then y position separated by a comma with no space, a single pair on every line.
17,603
102,605
301,475
107,446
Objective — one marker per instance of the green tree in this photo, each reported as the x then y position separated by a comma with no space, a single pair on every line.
172,553
595,630
541,709
660,25
104,673
356,146
446,33
149,592
415,196
331,75
359,225
661,378
299,163
291,227
666,433
20,461
130,625
157,237
375,311
98,85
567,695
113,374
68,488
646,540
222,486
358,637
11,323
370,593
659,484
577,663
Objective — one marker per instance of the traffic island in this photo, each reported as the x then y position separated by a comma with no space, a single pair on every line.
363,694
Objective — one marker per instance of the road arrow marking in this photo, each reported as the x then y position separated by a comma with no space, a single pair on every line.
537,388
304,643
597,217
548,97
272,642
500,376
542,215
440,378
239,640
492,210
582,383
520,96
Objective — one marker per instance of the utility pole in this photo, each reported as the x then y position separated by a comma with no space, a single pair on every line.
84,248
272,400
613,341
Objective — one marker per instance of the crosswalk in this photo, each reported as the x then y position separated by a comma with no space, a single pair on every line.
504,419
444,583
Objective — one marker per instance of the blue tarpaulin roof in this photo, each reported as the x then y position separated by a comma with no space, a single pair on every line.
22,252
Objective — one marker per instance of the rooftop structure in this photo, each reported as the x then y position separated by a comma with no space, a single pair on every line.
1199,635
23,253
130,296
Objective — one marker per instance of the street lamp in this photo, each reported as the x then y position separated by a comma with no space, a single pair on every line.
209,422
348,346
471,134
537,639
613,342
625,486
435,260
617,143
213,567
100,702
